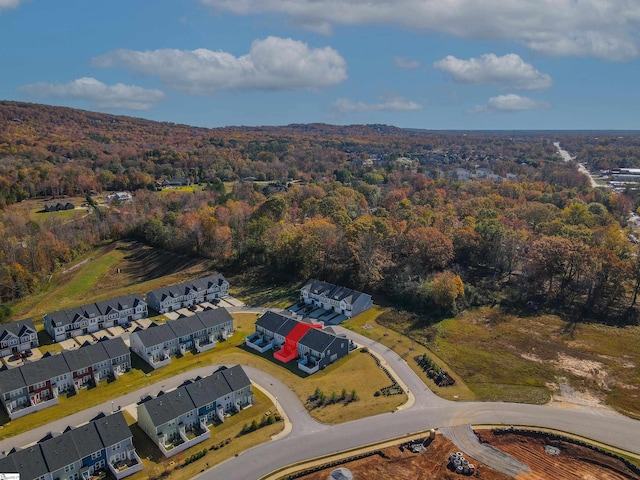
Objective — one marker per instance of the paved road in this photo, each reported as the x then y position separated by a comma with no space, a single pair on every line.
309,438
429,411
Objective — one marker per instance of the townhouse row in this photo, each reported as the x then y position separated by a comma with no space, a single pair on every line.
312,346
179,419
37,385
93,317
104,443
330,297
200,332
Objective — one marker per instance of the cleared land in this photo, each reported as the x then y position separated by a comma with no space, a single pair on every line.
530,360
573,463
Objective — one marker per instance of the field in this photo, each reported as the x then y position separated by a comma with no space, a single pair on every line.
533,359
574,462
115,269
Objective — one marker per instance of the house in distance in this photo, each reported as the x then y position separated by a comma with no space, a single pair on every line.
333,299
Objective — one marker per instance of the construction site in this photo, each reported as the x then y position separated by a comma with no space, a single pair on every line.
520,455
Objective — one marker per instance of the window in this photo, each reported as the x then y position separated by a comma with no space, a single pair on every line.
116,446
68,468
95,455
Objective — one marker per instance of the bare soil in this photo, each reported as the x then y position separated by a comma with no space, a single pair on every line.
573,462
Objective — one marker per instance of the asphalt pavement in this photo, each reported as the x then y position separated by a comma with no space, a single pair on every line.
311,439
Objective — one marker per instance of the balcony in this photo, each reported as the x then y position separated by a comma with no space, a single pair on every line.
160,361
259,342
124,468
309,364
205,343
33,405
186,438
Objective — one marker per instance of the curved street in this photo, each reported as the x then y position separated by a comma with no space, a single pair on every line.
309,438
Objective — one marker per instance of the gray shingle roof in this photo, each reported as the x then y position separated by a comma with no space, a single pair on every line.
333,292
286,327
112,429
208,389
44,369
29,463
11,380
271,321
155,335
115,347
119,303
169,406
17,328
59,451
86,439
59,318
214,317
180,289
85,356
236,377
186,326
317,340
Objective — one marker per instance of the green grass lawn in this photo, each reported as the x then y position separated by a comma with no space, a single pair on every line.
366,324
354,371
275,296
501,357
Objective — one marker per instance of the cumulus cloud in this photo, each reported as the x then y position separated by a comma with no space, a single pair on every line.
392,103
406,63
510,103
102,96
508,71
272,64
600,28
6,4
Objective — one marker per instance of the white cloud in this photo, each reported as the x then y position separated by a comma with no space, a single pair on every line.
393,103
271,64
5,4
406,63
102,96
508,71
601,28
510,103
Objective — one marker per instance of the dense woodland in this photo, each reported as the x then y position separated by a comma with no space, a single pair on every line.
333,202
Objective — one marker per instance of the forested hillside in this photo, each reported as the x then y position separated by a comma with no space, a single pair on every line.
433,221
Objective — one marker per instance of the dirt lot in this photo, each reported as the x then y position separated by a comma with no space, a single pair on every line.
574,462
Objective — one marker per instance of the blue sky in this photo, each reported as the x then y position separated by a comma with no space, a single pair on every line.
433,64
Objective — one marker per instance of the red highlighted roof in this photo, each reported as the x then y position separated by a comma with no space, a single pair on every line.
289,350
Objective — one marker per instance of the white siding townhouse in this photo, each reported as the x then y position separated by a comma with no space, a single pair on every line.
17,337
179,419
105,443
193,292
200,332
93,317
335,298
